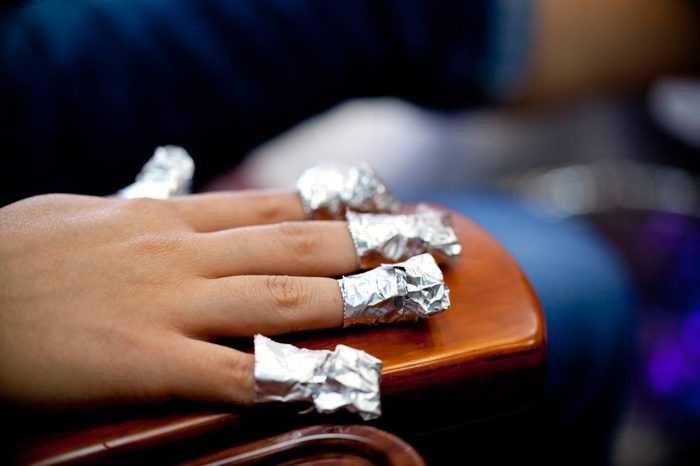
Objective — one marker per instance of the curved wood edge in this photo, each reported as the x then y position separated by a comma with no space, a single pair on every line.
366,442
492,346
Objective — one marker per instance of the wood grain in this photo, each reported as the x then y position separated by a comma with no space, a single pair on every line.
483,357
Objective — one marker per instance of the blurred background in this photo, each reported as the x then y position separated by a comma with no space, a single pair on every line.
629,166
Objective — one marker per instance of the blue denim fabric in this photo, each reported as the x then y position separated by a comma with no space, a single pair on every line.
586,296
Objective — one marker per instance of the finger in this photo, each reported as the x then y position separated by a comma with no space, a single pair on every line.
209,372
223,210
246,305
312,248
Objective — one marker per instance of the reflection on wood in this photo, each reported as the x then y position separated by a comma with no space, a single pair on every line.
349,445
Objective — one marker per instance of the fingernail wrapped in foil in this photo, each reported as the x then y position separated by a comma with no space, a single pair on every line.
328,191
344,378
382,238
168,173
406,291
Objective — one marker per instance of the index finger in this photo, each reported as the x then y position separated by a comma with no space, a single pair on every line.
230,209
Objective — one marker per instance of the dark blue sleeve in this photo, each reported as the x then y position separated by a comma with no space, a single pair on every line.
88,88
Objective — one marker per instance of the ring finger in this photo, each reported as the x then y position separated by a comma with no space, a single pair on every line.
311,248
269,304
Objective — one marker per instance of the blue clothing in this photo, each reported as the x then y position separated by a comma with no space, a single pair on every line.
586,295
88,88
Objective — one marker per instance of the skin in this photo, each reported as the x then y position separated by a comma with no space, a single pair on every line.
106,300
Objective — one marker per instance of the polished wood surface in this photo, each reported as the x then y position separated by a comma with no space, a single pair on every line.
350,445
483,357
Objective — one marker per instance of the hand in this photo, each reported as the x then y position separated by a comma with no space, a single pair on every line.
112,301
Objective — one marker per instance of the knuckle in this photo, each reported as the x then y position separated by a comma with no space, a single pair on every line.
155,213
269,208
123,341
300,239
286,292
238,385
158,245
155,208
142,204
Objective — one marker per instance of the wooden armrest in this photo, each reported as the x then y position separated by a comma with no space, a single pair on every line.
483,357
340,444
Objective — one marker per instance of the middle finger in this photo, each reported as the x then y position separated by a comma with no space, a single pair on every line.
311,248
272,304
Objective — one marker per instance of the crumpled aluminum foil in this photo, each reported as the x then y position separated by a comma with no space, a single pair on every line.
168,173
382,238
327,191
345,378
410,290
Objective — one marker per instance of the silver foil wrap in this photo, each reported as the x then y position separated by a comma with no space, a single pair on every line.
168,173
382,238
410,290
328,191
346,378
